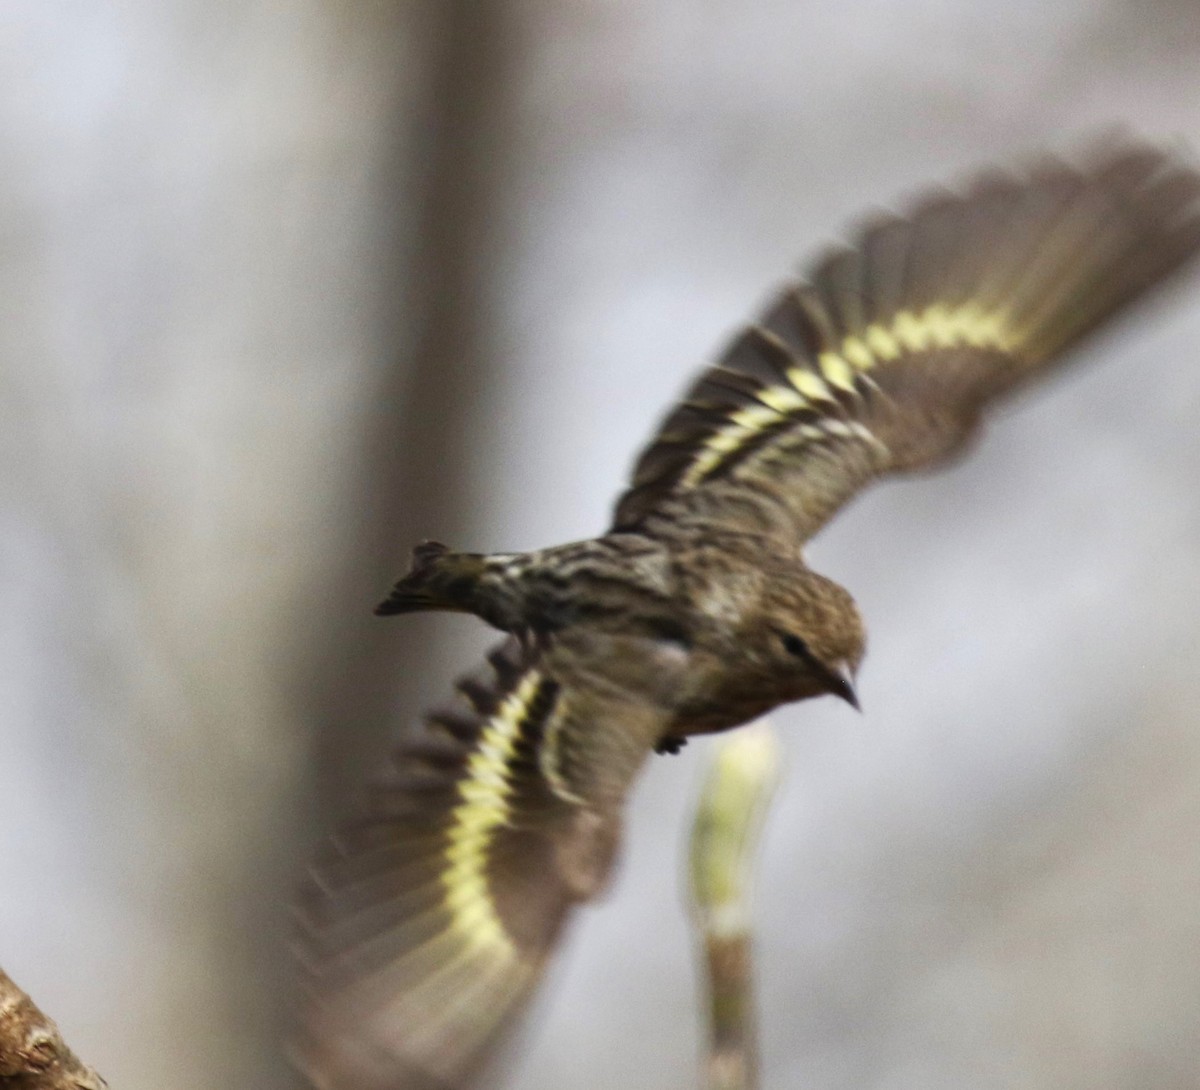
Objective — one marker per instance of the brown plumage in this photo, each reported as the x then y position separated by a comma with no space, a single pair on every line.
425,926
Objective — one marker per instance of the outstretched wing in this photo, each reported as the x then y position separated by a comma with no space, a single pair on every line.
427,923
881,361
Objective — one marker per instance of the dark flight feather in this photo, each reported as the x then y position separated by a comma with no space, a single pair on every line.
882,359
427,922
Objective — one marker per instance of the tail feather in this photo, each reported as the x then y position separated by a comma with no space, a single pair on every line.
438,580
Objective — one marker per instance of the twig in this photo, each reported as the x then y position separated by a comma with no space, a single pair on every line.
725,837
33,1055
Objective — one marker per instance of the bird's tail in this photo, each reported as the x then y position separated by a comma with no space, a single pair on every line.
438,580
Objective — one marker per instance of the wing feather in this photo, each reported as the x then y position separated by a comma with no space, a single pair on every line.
883,358
426,923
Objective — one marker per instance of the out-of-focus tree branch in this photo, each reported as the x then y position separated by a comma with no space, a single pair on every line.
33,1055
725,838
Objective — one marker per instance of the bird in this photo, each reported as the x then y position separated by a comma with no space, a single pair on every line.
427,921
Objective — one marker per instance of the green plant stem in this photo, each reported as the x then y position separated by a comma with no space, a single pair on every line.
725,837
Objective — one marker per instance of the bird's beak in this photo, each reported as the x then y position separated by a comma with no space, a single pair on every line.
841,684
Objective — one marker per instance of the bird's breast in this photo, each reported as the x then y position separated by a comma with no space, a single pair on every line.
720,691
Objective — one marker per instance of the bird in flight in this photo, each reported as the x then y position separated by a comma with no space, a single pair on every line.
427,923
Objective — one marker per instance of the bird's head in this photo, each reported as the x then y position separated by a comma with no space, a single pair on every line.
810,636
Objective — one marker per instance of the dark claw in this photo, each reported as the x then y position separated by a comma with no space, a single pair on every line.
670,744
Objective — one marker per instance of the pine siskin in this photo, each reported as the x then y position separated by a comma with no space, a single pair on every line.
427,924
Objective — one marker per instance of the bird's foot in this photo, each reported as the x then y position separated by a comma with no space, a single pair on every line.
670,744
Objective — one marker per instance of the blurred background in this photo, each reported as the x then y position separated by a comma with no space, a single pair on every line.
287,287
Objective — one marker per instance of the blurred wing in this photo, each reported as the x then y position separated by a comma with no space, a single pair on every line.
883,359
426,925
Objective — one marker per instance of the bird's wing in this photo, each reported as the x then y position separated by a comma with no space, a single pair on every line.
881,360
426,924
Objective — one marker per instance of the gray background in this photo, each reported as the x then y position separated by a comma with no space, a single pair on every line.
286,287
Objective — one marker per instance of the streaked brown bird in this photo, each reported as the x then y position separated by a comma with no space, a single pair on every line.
427,924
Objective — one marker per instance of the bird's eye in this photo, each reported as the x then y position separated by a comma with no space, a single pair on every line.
794,645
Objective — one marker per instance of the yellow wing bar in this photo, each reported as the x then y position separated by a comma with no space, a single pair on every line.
938,326
486,803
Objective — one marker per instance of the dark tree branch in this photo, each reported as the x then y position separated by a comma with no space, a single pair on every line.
33,1055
